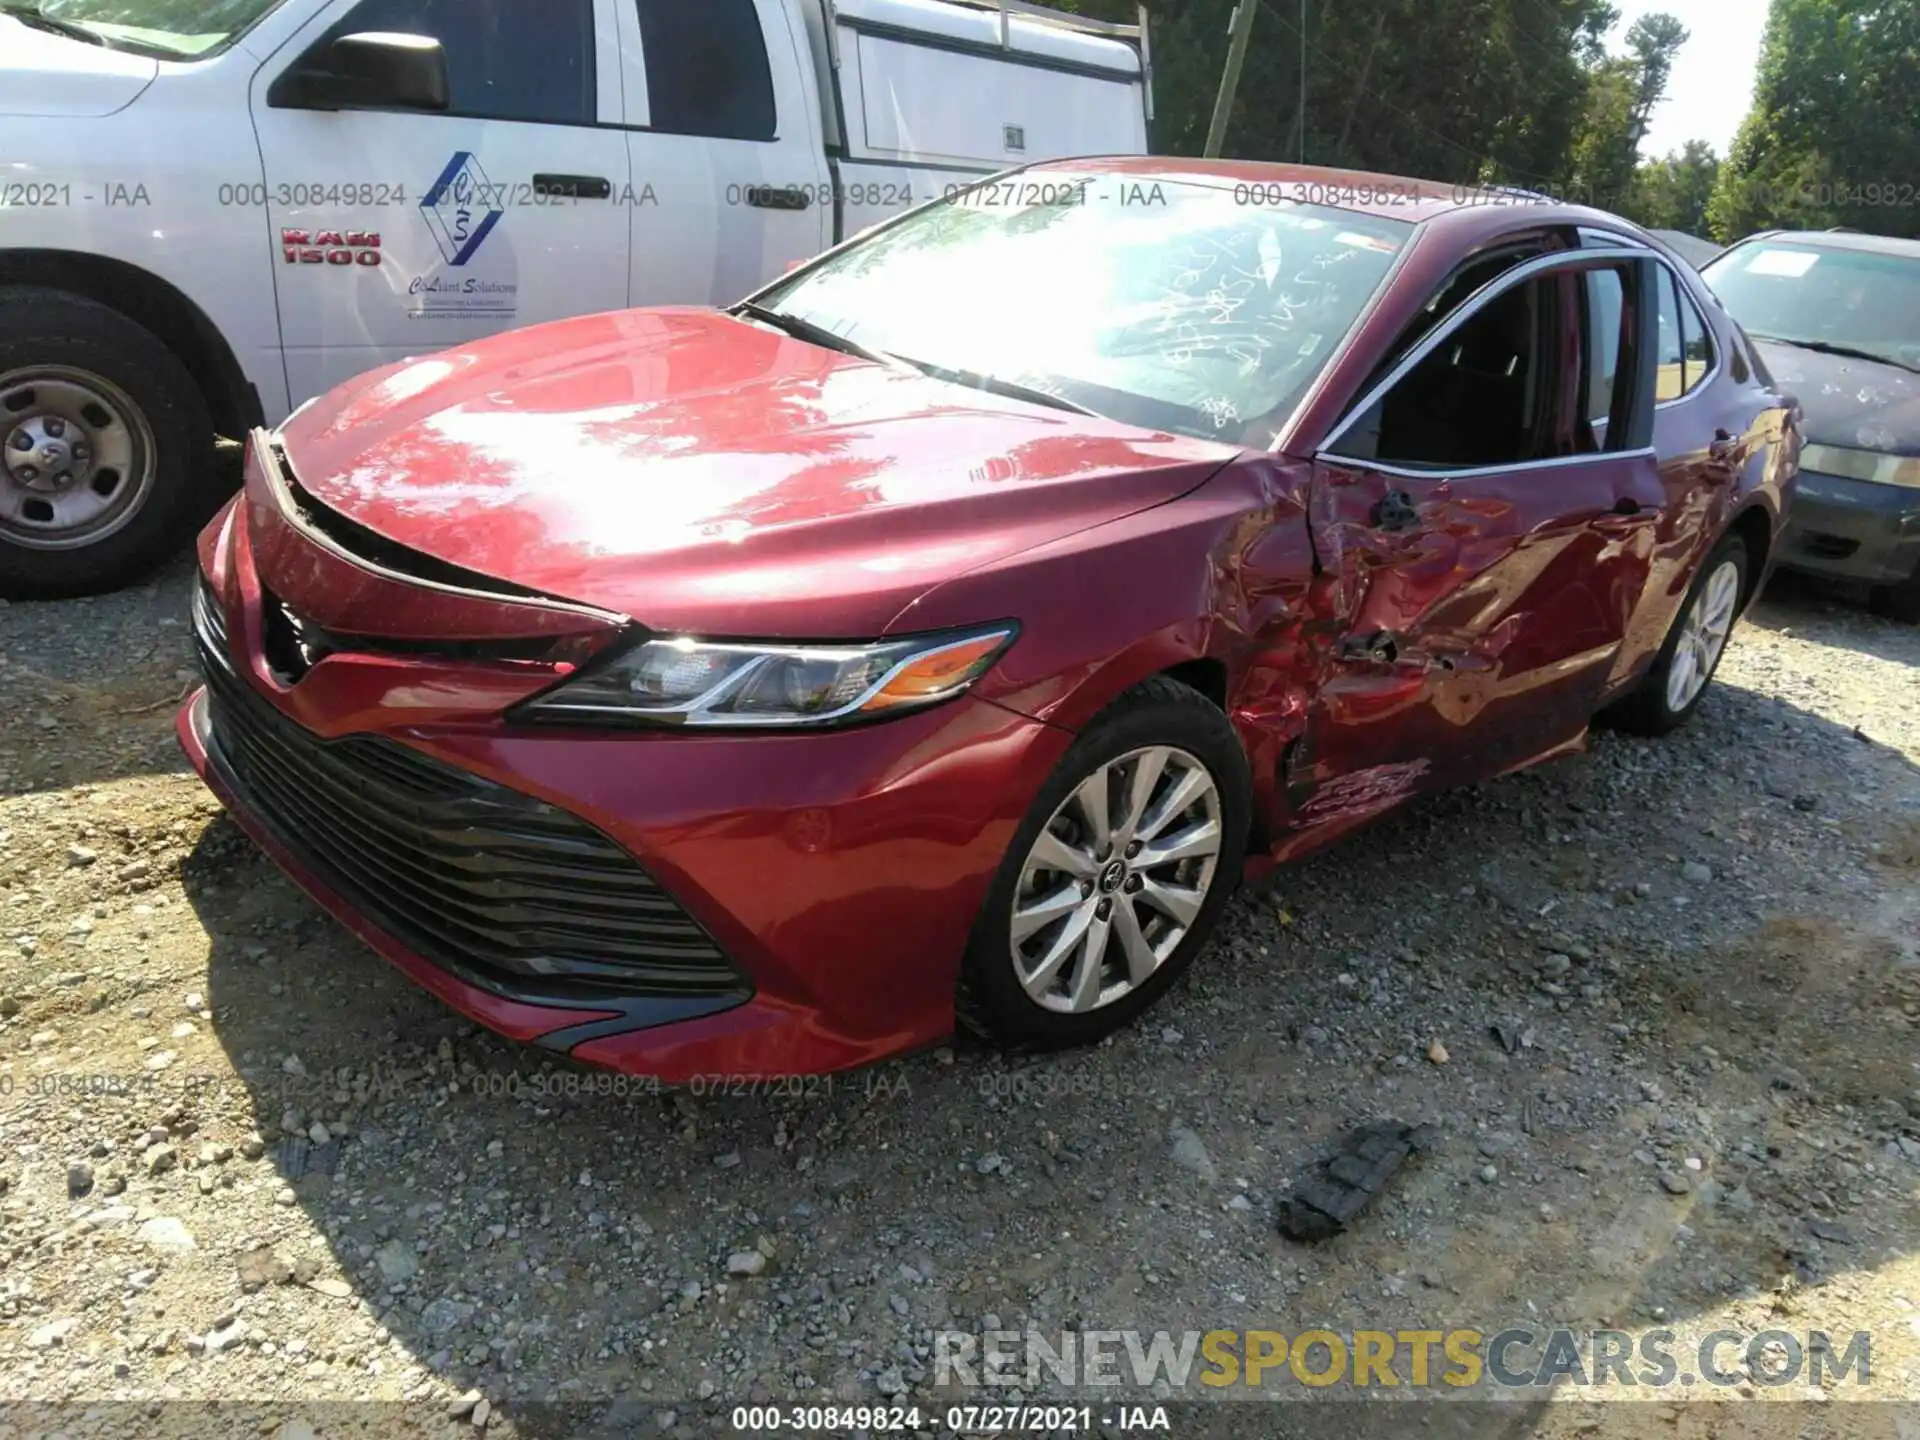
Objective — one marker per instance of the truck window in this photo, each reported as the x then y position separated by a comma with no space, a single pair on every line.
707,71
506,59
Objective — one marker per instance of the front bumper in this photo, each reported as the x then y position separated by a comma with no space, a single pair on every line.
1853,529
835,877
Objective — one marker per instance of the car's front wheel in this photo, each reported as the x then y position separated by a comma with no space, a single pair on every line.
1115,878
1677,682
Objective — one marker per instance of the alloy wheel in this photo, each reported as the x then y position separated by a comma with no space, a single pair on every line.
1703,635
76,458
1116,879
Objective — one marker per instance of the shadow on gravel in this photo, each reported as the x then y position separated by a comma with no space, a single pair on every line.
89,687
1675,978
1793,601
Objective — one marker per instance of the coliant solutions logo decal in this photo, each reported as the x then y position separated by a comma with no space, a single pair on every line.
461,209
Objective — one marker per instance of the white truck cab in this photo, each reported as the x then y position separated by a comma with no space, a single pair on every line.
213,210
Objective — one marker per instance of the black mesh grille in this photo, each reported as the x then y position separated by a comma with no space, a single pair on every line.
499,887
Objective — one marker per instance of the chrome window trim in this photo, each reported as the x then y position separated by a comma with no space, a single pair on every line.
1471,306
1474,472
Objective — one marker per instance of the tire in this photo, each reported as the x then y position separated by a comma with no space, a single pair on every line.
72,369
1190,737
1898,602
1659,705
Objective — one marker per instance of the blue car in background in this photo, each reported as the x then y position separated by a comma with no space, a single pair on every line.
1836,318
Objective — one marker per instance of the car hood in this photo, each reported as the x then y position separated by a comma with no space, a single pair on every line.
51,75
701,473
1859,404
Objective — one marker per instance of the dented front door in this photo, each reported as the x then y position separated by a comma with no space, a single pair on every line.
1476,618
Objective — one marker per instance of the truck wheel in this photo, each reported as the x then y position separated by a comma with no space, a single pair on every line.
106,447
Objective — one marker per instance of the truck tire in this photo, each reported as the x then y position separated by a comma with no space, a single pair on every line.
106,447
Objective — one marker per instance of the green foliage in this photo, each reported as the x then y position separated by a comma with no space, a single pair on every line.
1515,91
1674,193
1835,123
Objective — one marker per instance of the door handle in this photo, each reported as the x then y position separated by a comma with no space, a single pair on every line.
767,197
573,187
1724,447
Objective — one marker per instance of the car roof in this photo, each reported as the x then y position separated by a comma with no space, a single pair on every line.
1842,240
1695,249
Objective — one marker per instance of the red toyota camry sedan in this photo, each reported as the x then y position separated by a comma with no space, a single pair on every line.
940,635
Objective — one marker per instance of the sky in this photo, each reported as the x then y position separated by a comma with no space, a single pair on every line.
1712,82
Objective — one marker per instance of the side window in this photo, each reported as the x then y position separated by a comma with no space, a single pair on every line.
1495,370
1460,287
707,69
506,59
1696,344
1606,302
1670,359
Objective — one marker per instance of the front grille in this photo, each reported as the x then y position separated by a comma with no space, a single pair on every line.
500,888
209,620
295,643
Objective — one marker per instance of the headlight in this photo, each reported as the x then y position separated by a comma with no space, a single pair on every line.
1862,465
711,683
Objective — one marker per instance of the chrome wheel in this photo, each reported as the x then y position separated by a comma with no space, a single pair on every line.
1703,635
1116,879
76,458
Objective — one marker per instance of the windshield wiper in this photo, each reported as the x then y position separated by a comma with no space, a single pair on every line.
1012,389
803,329
1847,352
32,14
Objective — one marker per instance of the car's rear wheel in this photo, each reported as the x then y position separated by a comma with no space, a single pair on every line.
105,446
1898,602
1115,878
1685,666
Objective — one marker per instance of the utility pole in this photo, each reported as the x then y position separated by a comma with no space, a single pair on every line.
1242,27
1303,82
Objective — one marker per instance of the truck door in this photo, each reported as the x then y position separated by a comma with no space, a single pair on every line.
397,232
726,148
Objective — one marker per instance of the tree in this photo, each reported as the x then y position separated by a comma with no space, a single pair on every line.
1607,142
1835,123
1653,41
1519,92
1674,193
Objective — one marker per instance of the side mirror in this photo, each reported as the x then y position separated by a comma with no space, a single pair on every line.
370,70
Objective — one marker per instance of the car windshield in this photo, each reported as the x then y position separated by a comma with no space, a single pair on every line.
1173,306
174,27
1823,295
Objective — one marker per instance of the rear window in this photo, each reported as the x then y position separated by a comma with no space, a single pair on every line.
528,60
707,70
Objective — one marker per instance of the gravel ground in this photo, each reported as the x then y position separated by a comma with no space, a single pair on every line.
1662,1003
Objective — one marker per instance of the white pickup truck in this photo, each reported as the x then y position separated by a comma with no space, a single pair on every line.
212,210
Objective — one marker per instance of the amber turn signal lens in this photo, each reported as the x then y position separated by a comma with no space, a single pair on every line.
939,672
